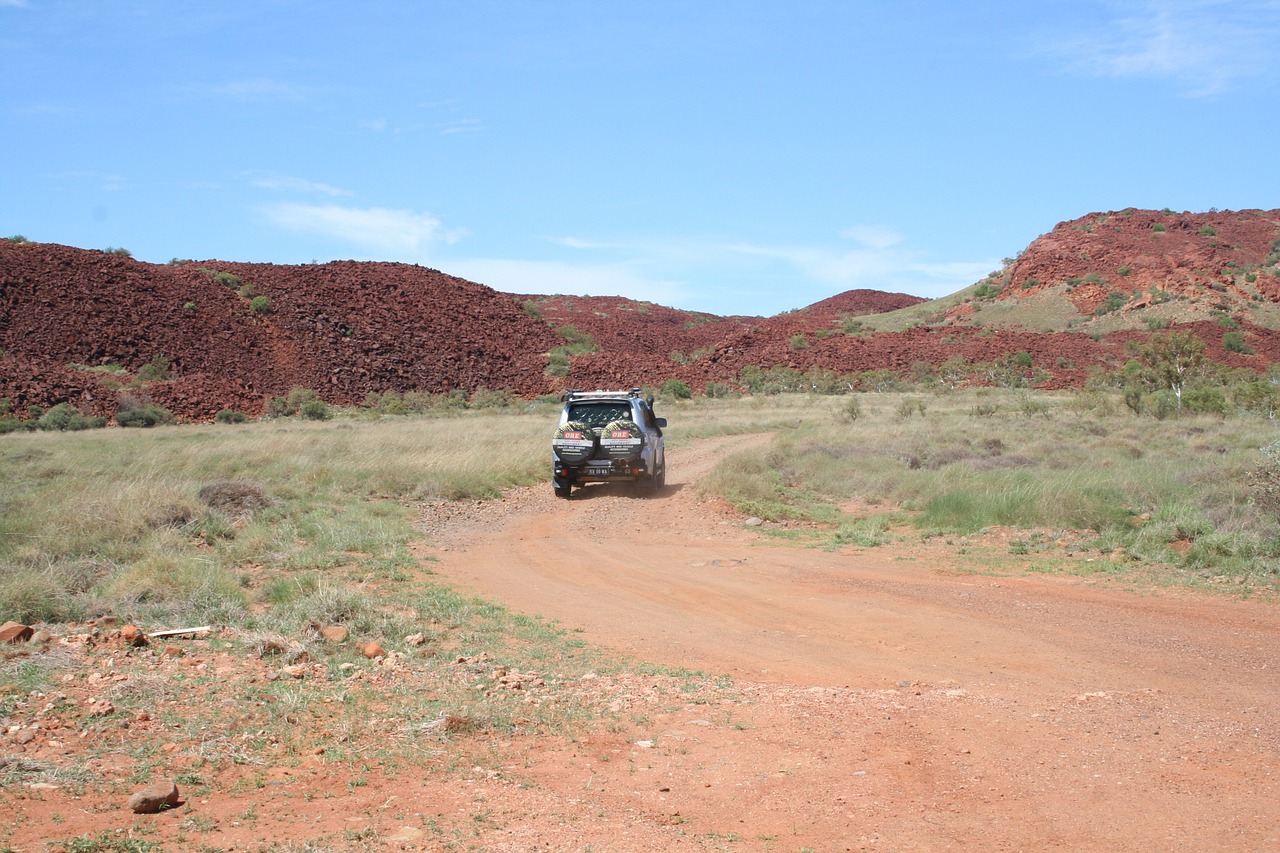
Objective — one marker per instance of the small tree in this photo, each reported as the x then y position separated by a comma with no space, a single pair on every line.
1169,361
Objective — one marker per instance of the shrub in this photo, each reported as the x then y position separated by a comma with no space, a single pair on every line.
1022,359
987,290
799,342
260,305
1123,271
1234,342
188,306
852,408
17,238
486,398
1115,301
1208,231
119,253
1205,400
717,390
65,417
155,370
144,416
230,416
314,410
676,389
279,407
1158,228
1265,481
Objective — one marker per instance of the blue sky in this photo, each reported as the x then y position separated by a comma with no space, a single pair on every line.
733,157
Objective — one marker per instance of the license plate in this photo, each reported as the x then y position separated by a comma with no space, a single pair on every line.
597,472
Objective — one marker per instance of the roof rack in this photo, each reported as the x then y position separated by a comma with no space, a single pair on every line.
586,395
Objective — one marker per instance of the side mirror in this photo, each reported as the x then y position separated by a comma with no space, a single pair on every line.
661,422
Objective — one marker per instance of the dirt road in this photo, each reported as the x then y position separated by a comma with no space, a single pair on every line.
886,701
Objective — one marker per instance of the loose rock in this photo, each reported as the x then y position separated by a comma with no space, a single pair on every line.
155,797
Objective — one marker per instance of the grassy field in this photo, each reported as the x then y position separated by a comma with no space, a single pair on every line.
151,524
276,528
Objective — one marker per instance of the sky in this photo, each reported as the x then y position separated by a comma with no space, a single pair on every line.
748,157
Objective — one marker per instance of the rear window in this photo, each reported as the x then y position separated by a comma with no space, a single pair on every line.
599,414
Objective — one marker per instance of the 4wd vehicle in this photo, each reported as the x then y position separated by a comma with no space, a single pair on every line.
605,436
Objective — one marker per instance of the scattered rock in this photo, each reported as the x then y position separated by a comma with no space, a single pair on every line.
102,708
753,521
154,798
373,649
415,639
132,635
14,632
296,670
335,633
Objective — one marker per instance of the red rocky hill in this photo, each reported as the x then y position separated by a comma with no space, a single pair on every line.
347,329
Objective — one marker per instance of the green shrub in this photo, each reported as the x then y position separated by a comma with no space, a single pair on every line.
675,389
1158,228
144,416
987,290
119,253
279,407
17,238
1115,301
1206,399
718,390
314,410
230,416
65,417
1234,342
1123,271
1208,231
799,342
260,305
8,423
155,370
486,398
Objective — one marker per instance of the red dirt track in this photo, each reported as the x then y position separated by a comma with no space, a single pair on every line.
890,702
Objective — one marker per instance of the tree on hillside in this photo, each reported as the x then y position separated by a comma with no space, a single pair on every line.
1169,360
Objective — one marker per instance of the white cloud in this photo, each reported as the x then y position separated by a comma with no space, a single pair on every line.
883,267
300,185
15,4
405,232
873,236
1205,45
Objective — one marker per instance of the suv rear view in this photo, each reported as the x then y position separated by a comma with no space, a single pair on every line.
608,436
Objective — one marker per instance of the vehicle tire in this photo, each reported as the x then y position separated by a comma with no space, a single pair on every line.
561,488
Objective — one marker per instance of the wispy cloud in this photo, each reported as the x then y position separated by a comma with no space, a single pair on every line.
15,4
462,125
298,185
406,233
764,277
1206,46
